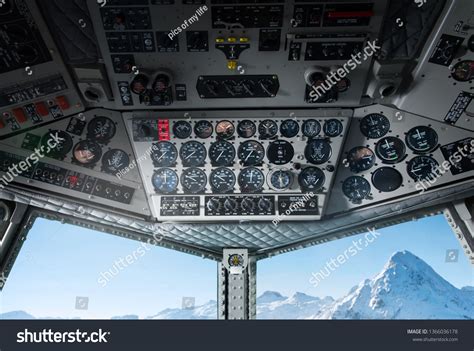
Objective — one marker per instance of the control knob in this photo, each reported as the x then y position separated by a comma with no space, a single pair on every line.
213,204
230,205
265,204
247,205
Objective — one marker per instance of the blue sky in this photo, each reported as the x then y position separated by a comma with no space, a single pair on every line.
59,262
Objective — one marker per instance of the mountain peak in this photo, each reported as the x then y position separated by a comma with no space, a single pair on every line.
405,257
270,296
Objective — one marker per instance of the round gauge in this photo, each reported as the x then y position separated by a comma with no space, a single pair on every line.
139,84
422,139
114,161
289,128
318,151
343,85
374,126
311,128
251,180
225,129
422,167
87,152
61,141
246,129
164,154
280,152
192,154
101,129
281,179
463,71
390,150
236,260
387,179
222,153
333,127
165,180
182,129
356,188
267,129
251,153
203,129
311,179
193,180
161,84
222,180
360,159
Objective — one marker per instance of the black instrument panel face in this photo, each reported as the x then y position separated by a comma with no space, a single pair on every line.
233,164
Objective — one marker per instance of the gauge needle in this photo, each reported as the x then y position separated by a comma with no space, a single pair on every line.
419,135
163,155
251,152
218,157
165,177
192,153
251,176
190,177
280,178
223,179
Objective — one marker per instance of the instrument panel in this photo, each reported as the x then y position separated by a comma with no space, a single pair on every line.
225,165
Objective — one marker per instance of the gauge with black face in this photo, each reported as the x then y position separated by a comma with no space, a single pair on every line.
422,167
251,153
101,129
289,128
87,152
165,181
281,179
192,154
246,129
251,180
333,128
356,188
182,129
267,129
114,161
390,150
222,153
139,84
61,141
193,180
311,128
203,129
280,152
374,126
343,85
225,129
222,180
164,154
318,151
360,159
422,139
463,71
311,179
387,179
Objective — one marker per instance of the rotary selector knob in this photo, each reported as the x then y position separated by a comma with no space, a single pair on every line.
265,204
230,205
213,205
247,205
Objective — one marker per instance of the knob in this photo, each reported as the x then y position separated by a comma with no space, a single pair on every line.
265,204
247,205
213,205
230,205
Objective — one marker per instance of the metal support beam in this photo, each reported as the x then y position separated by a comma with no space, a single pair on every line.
237,285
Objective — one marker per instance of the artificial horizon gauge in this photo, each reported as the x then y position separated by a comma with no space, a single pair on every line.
222,153
280,152
356,188
422,168
165,181
251,180
333,128
390,150
387,179
87,152
280,179
164,154
251,153
374,126
360,159
101,129
318,151
236,260
267,129
311,179
114,161
222,180
62,146
225,129
311,128
246,129
192,154
182,129
463,71
193,180
289,128
422,139
203,129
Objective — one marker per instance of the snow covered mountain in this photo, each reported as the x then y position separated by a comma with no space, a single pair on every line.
206,311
